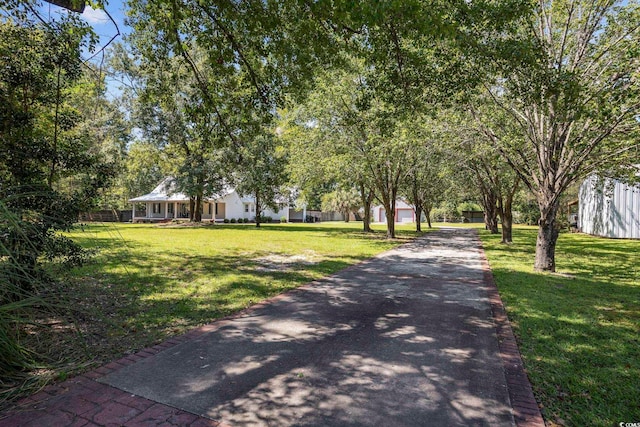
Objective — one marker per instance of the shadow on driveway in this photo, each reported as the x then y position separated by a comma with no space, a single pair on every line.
404,339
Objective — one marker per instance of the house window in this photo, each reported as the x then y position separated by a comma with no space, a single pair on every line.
216,209
170,208
156,208
246,207
209,208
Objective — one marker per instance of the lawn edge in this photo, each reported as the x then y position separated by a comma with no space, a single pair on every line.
526,410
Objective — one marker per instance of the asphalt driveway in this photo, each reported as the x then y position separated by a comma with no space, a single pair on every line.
404,339
416,336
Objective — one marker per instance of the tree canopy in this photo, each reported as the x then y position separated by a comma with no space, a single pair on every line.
573,99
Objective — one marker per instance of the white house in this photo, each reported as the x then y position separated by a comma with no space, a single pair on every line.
163,203
404,213
609,208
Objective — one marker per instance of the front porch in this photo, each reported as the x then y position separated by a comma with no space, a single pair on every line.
162,211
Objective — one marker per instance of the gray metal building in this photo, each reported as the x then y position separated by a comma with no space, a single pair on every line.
609,208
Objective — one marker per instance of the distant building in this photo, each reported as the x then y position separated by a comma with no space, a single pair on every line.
165,203
404,213
609,208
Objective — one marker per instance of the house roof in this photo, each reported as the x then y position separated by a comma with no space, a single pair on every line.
165,192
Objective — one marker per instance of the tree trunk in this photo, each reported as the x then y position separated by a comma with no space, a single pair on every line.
390,214
507,216
197,217
489,202
366,220
417,202
507,224
491,222
346,215
192,206
258,211
547,237
367,199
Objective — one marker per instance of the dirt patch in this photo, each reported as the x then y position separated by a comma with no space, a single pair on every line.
280,262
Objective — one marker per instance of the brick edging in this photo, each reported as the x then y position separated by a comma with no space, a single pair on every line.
526,411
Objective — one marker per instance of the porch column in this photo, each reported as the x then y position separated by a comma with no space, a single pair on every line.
166,210
133,213
304,213
175,209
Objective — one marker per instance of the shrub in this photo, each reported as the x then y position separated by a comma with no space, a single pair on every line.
23,289
233,220
283,219
226,221
246,220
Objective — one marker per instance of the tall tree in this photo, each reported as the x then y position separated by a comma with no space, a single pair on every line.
49,167
145,165
170,113
429,175
480,162
260,171
573,93
360,136
240,55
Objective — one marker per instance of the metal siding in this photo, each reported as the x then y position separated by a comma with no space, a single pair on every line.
632,214
589,215
636,212
616,215
619,212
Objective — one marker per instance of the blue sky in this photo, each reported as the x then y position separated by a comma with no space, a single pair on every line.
102,26
101,23
106,30
98,19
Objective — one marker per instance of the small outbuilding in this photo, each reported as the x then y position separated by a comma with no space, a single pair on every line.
609,208
404,213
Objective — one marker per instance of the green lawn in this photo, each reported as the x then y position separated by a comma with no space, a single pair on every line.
578,331
147,282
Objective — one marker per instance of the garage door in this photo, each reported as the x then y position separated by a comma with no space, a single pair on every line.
405,215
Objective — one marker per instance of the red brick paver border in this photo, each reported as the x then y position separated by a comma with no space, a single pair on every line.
525,408
82,401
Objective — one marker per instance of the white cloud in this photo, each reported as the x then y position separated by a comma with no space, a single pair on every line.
95,16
